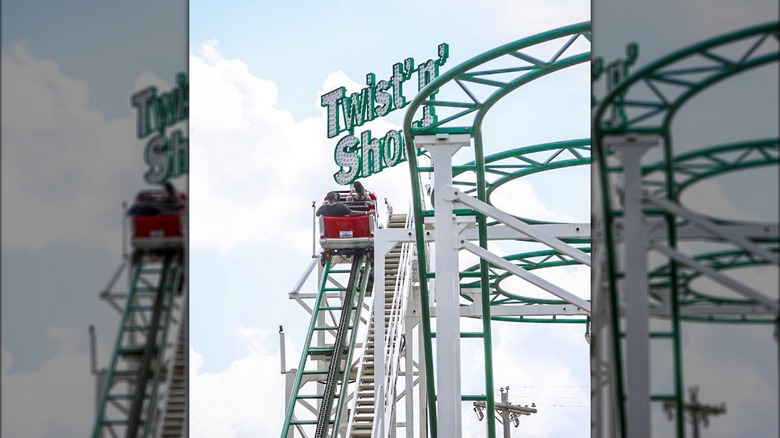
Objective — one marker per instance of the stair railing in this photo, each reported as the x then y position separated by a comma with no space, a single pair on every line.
396,328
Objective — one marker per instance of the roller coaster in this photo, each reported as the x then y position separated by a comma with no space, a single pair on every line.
367,366
143,392
383,352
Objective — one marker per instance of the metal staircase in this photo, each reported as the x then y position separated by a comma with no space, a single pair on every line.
363,412
145,385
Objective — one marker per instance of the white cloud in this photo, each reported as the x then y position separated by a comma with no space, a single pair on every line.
255,165
258,169
709,198
44,402
247,399
150,79
65,168
519,198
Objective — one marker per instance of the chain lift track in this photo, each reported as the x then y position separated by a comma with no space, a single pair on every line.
325,368
336,373
337,369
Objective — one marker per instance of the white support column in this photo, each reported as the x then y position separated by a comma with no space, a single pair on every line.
289,376
602,381
448,388
635,287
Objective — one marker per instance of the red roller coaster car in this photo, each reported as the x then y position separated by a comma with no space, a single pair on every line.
157,220
345,234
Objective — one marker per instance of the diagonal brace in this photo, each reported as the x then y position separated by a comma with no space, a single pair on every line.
714,229
521,226
522,273
717,276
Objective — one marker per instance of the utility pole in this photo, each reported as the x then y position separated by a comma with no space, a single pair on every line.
507,412
698,413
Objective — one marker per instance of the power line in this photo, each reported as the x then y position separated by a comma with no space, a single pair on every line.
551,396
548,386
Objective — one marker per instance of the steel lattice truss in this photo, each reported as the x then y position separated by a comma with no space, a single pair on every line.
649,100
473,87
693,167
701,305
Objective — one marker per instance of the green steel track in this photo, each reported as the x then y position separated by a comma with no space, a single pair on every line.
460,100
323,373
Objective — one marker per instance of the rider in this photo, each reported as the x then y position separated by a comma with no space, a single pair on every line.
359,193
334,208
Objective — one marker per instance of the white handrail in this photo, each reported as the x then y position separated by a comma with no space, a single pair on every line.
361,362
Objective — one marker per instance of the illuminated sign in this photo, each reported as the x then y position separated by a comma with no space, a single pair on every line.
166,156
365,156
